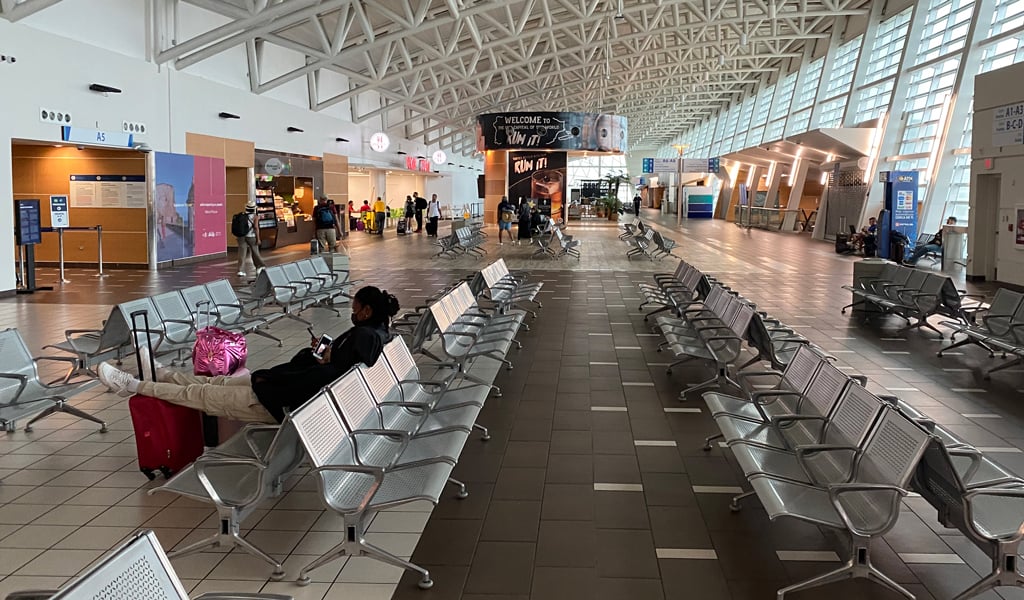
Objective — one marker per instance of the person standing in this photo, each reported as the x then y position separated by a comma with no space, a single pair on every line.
421,205
410,212
506,214
525,218
637,200
325,218
249,244
379,210
433,215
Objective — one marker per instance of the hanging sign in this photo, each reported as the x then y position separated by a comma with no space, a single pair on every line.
1008,125
81,135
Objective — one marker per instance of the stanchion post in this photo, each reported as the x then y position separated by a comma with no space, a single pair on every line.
60,247
99,250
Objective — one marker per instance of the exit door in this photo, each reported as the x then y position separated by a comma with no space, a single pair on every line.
984,227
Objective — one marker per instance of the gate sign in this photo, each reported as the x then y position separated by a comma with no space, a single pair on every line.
648,165
1008,125
59,216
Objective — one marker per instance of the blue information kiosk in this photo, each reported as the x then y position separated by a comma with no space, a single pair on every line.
900,212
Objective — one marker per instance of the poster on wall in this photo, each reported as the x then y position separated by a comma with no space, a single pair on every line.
552,130
1019,238
190,206
538,175
107,191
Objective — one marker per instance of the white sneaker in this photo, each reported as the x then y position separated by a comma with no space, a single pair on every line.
241,273
260,270
160,367
501,244
119,382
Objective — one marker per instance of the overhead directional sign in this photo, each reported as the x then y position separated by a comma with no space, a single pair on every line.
690,165
81,135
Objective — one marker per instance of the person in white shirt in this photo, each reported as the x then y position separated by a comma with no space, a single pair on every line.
433,214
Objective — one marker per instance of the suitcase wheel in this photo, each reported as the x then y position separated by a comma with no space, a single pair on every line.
149,473
166,472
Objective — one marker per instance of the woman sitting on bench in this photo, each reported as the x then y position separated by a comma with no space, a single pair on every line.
264,395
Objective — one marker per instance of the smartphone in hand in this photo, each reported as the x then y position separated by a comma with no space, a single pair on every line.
322,346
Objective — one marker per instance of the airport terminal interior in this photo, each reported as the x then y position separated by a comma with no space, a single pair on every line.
701,372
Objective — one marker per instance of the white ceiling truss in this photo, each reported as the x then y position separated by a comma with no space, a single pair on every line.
664,64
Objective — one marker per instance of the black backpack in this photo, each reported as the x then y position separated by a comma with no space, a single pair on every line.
324,216
240,224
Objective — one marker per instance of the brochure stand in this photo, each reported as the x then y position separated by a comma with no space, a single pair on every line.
27,233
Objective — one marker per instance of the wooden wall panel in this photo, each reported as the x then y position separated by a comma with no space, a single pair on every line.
236,153
41,171
237,194
495,170
336,182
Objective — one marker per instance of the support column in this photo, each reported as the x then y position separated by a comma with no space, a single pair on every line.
797,179
774,181
495,171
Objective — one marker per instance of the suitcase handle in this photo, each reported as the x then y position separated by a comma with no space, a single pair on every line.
208,312
149,342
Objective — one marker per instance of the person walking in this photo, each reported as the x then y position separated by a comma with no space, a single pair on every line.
433,215
506,214
325,218
637,200
421,204
249,244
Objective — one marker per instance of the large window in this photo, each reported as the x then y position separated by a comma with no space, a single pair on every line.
883,63
804,99
836,94
596,166
780,107
759,119
945,29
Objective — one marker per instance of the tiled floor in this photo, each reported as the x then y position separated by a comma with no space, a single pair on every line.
593,484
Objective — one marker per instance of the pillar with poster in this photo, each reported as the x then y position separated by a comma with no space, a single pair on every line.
538,177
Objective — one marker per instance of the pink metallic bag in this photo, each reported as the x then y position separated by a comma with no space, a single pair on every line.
218,352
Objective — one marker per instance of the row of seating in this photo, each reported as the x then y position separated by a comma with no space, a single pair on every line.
378,437
820,448
297,286
1001,327
645,241
910,294
554,243
464,241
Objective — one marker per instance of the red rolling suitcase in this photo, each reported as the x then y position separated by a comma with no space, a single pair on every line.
167,436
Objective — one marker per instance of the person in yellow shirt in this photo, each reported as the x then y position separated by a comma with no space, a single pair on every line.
378,215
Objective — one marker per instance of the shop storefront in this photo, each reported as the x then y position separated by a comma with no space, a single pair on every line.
545,158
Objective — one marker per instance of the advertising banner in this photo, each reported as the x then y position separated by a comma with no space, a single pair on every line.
1019,238
538,175
551,130
900,208
190,206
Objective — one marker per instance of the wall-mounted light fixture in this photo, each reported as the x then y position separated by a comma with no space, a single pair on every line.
103,89
340,139
401,152
227,115
295,130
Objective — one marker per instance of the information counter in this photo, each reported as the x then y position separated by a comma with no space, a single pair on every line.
301,233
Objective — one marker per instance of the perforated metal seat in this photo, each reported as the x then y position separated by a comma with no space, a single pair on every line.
238,485
229,316
138,570
866,507
23,394
357,492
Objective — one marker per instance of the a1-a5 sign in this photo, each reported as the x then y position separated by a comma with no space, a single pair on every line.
60,218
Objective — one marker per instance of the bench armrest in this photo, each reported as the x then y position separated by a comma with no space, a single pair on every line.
890,493
999,492
212,463
31,595
376,472
803,452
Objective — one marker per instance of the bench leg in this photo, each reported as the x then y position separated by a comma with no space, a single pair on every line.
967,340
859,565
462,493
1006,365
842,311
707,441
734,506
228,537
268,335
486,435
1004,573
61,406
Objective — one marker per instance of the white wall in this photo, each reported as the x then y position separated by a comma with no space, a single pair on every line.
54,71
994,89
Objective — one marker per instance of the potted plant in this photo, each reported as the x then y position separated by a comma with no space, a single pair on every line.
611,201
612,205
600,208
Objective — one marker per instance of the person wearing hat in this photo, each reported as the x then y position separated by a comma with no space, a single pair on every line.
325,216
249,244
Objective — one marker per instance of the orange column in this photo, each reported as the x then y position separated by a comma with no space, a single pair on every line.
495,171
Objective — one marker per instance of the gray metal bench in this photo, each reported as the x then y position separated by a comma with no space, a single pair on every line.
866,506
1001,328
229,316
990,515
357,492
90,347
138,570
23,394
